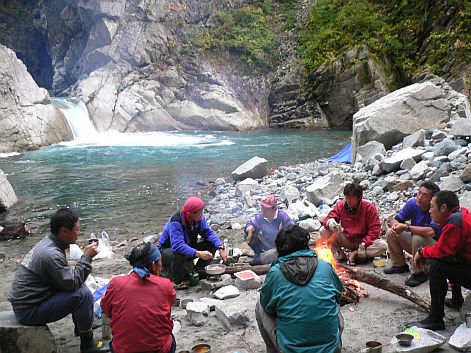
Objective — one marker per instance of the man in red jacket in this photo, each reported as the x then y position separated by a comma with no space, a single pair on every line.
450,257
353,224
139,305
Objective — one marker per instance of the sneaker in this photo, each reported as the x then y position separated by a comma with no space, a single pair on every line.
182,285
429,324
416,279
454,304
396,269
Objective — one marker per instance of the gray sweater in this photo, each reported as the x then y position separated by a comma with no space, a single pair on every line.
44,271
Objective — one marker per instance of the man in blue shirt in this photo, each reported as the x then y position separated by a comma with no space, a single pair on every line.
421,231
298,310
261,230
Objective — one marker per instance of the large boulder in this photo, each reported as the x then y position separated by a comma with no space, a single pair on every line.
254,168
414,140
419,106
461,127
27,118
325,190
7,194
451,183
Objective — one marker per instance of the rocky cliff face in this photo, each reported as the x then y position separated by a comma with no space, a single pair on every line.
27,118
130,62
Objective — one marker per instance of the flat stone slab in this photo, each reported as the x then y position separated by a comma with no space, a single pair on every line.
209,285
424,341
227,292
461,339
232,315
15,337
211,302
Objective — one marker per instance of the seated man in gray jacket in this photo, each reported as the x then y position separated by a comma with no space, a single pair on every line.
47,289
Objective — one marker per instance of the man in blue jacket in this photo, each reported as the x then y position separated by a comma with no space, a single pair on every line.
179,242
298,310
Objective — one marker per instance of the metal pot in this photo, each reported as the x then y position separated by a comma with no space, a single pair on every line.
201,348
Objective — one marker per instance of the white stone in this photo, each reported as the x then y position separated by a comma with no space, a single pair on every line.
427,155
460,152
452,183
461,338
246,185
325,189
408,164
391,164
461,127
414,140
232,315
227,292
255,167
419,170
289,193
220,181
197,313
211,302
311,225
369,149
7,194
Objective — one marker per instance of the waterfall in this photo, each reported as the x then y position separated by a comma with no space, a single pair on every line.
77,117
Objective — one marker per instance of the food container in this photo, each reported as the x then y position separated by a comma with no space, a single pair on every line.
245,275
404,339
467,320
379,262
215,269
201,348
373,346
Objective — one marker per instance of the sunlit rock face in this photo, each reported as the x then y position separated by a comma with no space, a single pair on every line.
129,62
27,118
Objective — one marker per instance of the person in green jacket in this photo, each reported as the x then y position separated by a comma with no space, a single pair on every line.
298,310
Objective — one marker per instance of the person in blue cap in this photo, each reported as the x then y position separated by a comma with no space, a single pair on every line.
139,305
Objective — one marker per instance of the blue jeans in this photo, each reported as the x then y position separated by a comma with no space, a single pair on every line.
173,348
78,303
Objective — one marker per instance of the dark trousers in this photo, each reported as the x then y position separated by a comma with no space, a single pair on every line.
441,271
78,303
180,266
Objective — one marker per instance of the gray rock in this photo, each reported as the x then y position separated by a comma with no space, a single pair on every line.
220,181
408,164
377,170
402,112
427,155
369,149
245,186
27,118
289,193
255,167
227,292
461,127
392,196
391,164
465,201
24,339
438,135
325,189
405,176
209,285
252,283
445,147
466,174
414,140
197,313
232,315
419,170
7,194
428,342
452,183
378,190
461,338
458,153
311,225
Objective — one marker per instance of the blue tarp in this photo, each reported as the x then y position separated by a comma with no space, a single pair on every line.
344,156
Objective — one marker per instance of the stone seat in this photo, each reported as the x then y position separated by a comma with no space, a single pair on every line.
17,338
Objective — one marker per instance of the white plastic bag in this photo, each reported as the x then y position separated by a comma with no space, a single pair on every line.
104,247
75,252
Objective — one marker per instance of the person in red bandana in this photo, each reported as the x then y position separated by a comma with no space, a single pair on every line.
179,242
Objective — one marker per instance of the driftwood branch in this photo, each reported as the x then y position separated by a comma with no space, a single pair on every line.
379,281
361,275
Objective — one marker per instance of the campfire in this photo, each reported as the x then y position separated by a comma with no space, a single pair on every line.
352,291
